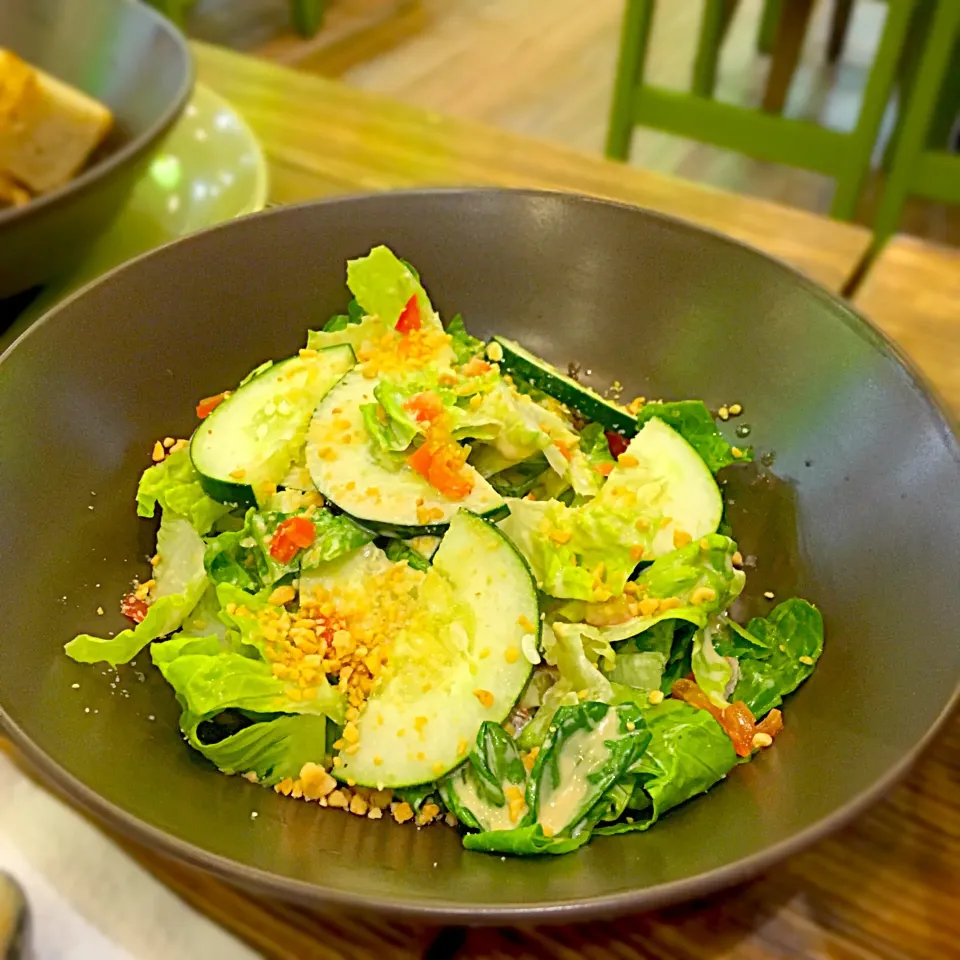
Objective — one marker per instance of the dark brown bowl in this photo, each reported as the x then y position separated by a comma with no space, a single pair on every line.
860,513
130,58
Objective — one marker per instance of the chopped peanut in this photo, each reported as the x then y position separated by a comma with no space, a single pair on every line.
485,697
681,538
282,595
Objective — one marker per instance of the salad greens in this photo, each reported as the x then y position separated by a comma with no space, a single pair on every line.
472,589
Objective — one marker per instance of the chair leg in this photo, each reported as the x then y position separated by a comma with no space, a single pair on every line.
307,16
907,71
717,15
934,67
838,29
769,20
634,38
791,32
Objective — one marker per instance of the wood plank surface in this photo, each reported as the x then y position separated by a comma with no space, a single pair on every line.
912,292
323,138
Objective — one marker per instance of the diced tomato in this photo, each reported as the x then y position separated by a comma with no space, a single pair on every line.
208,404
446,473
409,316
420,460
425,406
134,608
295,533
616,442
442,467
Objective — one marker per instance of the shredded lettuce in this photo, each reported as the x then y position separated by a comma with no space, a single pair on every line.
712,671
181,581
175,485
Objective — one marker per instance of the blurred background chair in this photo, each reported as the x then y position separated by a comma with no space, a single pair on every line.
306,16
921,164
761,134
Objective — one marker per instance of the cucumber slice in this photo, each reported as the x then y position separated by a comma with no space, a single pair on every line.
252,439
478,602
347,472
691,498
558,385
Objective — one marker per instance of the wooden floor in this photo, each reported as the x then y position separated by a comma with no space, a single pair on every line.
545,67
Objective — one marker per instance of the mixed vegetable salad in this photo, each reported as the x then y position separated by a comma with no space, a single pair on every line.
412,574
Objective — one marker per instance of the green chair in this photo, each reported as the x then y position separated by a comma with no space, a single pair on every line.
305,15
764,136
920,166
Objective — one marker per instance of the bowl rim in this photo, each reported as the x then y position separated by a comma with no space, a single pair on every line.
136,147
548,912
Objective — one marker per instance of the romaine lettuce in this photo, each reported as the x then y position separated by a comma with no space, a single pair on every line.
181,581
692,420
790,641
175,485
688,753
383,285
272,749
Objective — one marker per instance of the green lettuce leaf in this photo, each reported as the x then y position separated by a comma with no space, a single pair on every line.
341,321
175,485
589,748
523,841
336,536
354,334
692,420
209,679
476,790
234,557
712,671
464,346
593,443
643,671
574,649
793,630
383,284
398,550
389,424
518,480
271,749
181,581
688,753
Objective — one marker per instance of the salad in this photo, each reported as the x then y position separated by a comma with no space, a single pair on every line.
411,574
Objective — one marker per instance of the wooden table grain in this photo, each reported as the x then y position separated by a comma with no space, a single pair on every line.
912,292
323,138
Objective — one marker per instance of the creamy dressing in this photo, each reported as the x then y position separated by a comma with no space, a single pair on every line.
489,817
583,752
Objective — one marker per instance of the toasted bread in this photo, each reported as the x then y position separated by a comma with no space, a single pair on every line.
48,129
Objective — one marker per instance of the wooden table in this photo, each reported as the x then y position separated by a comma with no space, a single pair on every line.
886,887
323,138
